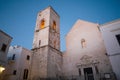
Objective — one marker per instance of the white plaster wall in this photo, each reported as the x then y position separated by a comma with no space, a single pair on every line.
6,39
109,32
115,60
24,63
15,64
19,64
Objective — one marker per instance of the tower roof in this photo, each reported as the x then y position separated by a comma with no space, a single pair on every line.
50,7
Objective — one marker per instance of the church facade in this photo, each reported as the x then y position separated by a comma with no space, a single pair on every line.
84,59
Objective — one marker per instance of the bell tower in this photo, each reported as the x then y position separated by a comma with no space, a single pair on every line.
47,31
47,58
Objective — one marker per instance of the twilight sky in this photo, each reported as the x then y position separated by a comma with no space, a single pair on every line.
18,17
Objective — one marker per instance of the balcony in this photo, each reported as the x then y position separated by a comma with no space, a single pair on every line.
11,60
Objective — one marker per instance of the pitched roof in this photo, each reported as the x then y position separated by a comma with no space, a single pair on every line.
79,22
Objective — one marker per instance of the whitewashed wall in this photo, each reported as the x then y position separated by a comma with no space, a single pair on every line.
109,32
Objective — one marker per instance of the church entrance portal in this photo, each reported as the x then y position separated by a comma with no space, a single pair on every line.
88,72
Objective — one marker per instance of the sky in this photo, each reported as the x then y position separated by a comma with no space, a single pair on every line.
18,17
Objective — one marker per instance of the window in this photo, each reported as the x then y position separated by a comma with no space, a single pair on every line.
88,72
37,30
42,24
28,57
79,72
25,76
54,25
14,72
83,43
39,42
13,57
4,46
118,38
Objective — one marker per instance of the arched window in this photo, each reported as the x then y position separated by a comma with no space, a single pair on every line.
42,24
54,25
83,43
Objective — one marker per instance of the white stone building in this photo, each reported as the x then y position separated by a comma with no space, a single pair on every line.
111,35
19,63
5,41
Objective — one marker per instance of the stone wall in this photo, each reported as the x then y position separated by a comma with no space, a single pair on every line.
39,63
92,53
54,63
46,63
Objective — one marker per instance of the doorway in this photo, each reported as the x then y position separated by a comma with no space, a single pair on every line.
88,72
